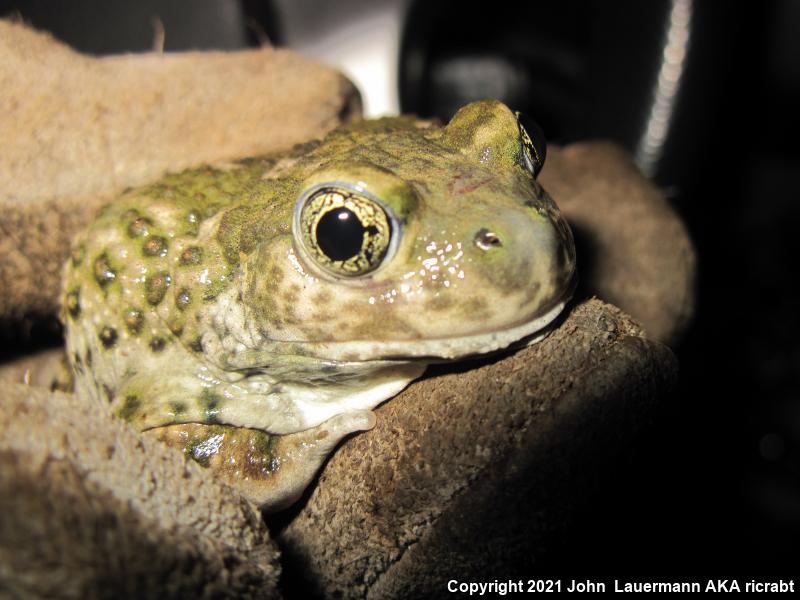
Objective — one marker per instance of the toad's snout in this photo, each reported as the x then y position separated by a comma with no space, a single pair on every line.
531,250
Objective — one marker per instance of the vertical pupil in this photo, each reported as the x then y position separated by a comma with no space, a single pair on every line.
340,234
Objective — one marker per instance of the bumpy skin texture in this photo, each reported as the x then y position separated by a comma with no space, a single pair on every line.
194,306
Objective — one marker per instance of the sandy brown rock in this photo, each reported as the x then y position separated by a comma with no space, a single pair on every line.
468,473
77,130
633,249
90,509
76,125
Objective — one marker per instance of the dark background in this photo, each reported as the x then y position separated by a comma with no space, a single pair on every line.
714,486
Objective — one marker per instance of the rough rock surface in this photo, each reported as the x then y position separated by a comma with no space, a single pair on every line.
91,509
469,473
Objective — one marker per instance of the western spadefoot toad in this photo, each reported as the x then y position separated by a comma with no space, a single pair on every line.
254,313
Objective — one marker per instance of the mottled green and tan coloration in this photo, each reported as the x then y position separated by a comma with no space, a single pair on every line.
191,301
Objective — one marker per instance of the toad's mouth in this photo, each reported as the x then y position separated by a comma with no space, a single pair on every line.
521,333
424,350
437,349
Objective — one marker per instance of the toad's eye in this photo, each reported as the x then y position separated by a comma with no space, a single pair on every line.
345,232
534,147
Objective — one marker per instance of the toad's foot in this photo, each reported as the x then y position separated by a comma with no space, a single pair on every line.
272,471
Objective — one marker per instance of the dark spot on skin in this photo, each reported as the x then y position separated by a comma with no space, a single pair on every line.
213,290
532,202
134,319
109,392
196,345
209,403
183,299
108,336
155,287
477,308
139,227
129,407
290,317
275,274
155,245
193,255
157,344
77,360
439,303
74,302
322,298
89,357
103,273
78,254
175,326
193,217
178,408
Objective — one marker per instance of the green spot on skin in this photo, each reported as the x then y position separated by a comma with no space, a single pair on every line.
183,299
193,217
108,336
103,273
155,287
74,302
175,325
264,443
193,255
109,392
209,402
129,407
214,288
155,245
134,320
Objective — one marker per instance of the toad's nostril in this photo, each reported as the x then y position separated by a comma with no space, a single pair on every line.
485,239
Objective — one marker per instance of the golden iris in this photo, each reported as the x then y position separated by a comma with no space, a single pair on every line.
345,232
534,147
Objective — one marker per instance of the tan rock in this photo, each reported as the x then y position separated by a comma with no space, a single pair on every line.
76,130
471,471
91,509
